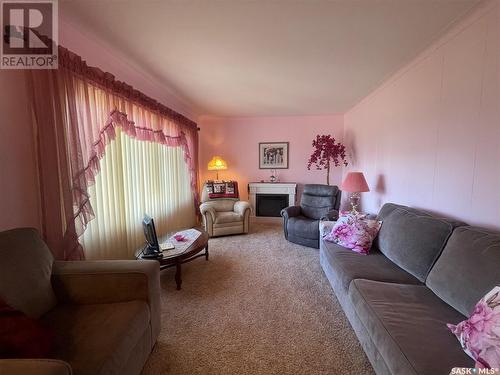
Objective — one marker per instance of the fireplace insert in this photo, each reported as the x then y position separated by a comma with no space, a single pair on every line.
270,204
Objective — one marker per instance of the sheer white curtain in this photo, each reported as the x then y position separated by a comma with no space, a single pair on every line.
136,178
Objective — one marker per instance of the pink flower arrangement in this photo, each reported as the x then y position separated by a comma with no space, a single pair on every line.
480,334
327,153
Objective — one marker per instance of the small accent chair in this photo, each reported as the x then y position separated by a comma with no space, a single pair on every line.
105,314
222,216
301,223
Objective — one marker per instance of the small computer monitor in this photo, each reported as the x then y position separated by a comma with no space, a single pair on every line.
148,225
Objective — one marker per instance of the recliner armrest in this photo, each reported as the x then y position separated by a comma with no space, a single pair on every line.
290,211
241,206
331,215
43,366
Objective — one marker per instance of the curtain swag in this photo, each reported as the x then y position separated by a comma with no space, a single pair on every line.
74,63
108,133
76,110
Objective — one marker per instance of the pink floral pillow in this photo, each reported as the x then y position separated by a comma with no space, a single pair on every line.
480,334
354,232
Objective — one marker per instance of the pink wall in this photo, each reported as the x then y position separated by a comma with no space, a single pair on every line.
18,181
236,140
430,136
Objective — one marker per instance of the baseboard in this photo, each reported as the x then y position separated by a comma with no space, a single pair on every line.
265,220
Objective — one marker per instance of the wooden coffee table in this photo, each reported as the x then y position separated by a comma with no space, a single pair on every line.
191,253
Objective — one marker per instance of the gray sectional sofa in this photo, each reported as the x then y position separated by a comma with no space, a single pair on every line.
421,273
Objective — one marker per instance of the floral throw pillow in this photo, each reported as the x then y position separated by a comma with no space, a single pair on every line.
480,334
354,232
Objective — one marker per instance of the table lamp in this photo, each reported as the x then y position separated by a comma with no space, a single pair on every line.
355,184
217,164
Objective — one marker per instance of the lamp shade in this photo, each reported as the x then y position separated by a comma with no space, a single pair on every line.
355,183
217,164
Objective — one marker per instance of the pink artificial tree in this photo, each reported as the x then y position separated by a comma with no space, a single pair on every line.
327,153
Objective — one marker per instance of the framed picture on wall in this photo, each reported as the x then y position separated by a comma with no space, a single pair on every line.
273,155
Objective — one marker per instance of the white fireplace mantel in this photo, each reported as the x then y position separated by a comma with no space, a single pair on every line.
255,188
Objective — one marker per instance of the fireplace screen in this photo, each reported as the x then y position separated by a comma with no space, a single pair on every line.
270,204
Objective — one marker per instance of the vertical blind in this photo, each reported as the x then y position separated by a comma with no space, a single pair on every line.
136,177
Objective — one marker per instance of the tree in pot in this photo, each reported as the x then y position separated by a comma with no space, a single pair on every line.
327,153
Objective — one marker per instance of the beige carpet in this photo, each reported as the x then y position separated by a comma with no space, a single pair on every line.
260,305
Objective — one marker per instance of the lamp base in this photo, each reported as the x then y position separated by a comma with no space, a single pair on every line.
354,199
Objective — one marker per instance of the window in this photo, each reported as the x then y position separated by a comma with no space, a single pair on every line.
136,177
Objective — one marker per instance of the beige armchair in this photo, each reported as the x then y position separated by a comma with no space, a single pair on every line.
105,314
222,216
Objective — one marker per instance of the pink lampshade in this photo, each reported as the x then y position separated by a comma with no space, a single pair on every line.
355,183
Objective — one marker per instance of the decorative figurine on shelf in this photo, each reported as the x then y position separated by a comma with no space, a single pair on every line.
274,176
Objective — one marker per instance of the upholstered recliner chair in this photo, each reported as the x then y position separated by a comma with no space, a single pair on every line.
105,315
222,216
301,223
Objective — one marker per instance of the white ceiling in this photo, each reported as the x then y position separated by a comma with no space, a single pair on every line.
268,57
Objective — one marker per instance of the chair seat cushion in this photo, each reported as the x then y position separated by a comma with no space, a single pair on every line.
301,226
227,217
347,266
407,323
98,339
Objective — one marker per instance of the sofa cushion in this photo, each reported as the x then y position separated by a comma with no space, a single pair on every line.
220,204
347,266
227,217
412,239
467,269
98,339
25,272
407,323
301,226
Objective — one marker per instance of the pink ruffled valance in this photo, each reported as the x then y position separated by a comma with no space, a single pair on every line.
75,64
108,133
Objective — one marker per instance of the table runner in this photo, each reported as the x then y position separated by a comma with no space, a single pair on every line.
181,246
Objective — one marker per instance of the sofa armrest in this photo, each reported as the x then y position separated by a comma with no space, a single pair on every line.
290,211
325,227
331,215
240,207
208,209
109,281
34,366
